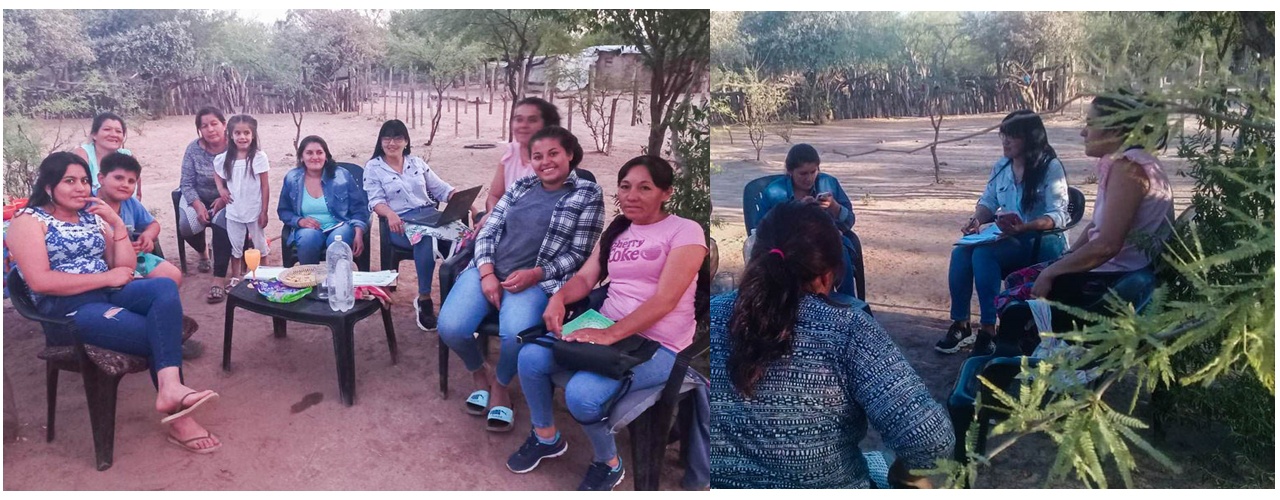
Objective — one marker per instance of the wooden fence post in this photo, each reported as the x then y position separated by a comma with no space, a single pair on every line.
504,114
570,127
635,94
477,118
613,111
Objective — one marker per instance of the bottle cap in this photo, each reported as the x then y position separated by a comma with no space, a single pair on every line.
337,237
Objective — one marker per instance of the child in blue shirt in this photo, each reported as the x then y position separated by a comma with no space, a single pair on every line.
118,177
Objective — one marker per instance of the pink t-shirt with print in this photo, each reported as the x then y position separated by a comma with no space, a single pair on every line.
636,261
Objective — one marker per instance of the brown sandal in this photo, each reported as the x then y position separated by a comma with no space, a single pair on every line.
186,445
216,294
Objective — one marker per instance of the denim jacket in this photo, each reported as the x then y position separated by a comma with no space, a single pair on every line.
1003,192
781,191
345,199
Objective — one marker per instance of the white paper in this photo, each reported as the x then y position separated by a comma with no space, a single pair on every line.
985,235
379,278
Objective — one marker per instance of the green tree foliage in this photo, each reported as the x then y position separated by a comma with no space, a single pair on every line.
512,36
438,61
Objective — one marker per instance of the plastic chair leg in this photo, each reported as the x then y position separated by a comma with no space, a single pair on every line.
391,334
444,369
51,381
100,391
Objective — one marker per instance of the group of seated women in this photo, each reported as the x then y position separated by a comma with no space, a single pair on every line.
539,249
797,373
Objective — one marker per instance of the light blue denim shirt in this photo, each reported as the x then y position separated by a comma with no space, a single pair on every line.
417,186
343,196
1051,199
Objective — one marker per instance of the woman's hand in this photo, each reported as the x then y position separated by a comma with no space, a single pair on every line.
521,280
224,196
828,203
971,227
108,215
592,336
143,245
218,204
118,276
492,289
357,246
1043,284
309,223
553,315
202,213
1008,227
395,224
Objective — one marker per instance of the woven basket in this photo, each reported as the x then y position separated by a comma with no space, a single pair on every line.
303,276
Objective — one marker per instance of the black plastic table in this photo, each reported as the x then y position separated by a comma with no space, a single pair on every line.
312,312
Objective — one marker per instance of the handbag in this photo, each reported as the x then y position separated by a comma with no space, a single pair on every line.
614,361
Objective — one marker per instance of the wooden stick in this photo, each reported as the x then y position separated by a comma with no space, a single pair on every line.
477,118
613,112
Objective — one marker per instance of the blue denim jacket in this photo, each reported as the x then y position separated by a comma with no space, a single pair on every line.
346,200
1003,192
781,191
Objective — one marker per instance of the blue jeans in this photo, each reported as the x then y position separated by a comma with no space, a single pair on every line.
588,395
312,244
846,285
150,324
466,307
424,257
984,266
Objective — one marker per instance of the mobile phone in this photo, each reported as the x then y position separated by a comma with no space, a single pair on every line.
825,196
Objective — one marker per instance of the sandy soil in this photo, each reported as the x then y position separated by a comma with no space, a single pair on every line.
907,225
280,417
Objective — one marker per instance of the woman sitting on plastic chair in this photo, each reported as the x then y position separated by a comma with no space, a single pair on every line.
1027,190
84,270
1132,217
804,182
651,258
539,234
796,375
321,201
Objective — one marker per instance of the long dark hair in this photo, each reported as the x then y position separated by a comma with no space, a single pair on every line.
795,244
1036,152
663,177
1124,102
550,115
230,159
330,166
52,169
102,118
567,141
392,128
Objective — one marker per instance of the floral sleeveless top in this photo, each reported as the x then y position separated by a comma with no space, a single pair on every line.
74,248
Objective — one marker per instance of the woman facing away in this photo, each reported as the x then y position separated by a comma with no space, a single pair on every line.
805,182
400,185
1027,181
796,376
1132,218
651,259
321,202
539,235
106,136
84,269
201,199
241,175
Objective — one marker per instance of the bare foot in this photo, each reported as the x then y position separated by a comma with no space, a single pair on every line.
170,399
186,428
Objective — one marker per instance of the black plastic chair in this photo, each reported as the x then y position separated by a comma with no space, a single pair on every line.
753,192
289,256
101,369
448,275
177,223
1075,212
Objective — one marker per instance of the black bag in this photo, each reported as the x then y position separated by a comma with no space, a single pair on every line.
614,361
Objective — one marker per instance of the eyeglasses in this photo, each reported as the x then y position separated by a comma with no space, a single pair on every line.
393,140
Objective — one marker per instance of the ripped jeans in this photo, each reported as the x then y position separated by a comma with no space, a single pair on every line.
145,320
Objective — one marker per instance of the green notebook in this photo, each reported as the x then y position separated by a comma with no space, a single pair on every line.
589,319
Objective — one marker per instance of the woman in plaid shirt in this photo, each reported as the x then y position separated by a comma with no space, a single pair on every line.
539,234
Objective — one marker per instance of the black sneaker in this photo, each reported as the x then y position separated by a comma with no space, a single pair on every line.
533,451
984,345
426,314
602,477
959,335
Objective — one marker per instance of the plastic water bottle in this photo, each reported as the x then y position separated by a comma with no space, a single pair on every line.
340,283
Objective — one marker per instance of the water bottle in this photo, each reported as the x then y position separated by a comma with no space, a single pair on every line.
340,282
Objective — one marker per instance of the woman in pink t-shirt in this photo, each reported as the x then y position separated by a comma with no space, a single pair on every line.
530,115
1132,218
652,259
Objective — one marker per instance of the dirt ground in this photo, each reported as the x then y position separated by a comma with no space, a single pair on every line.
908,224
280,418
